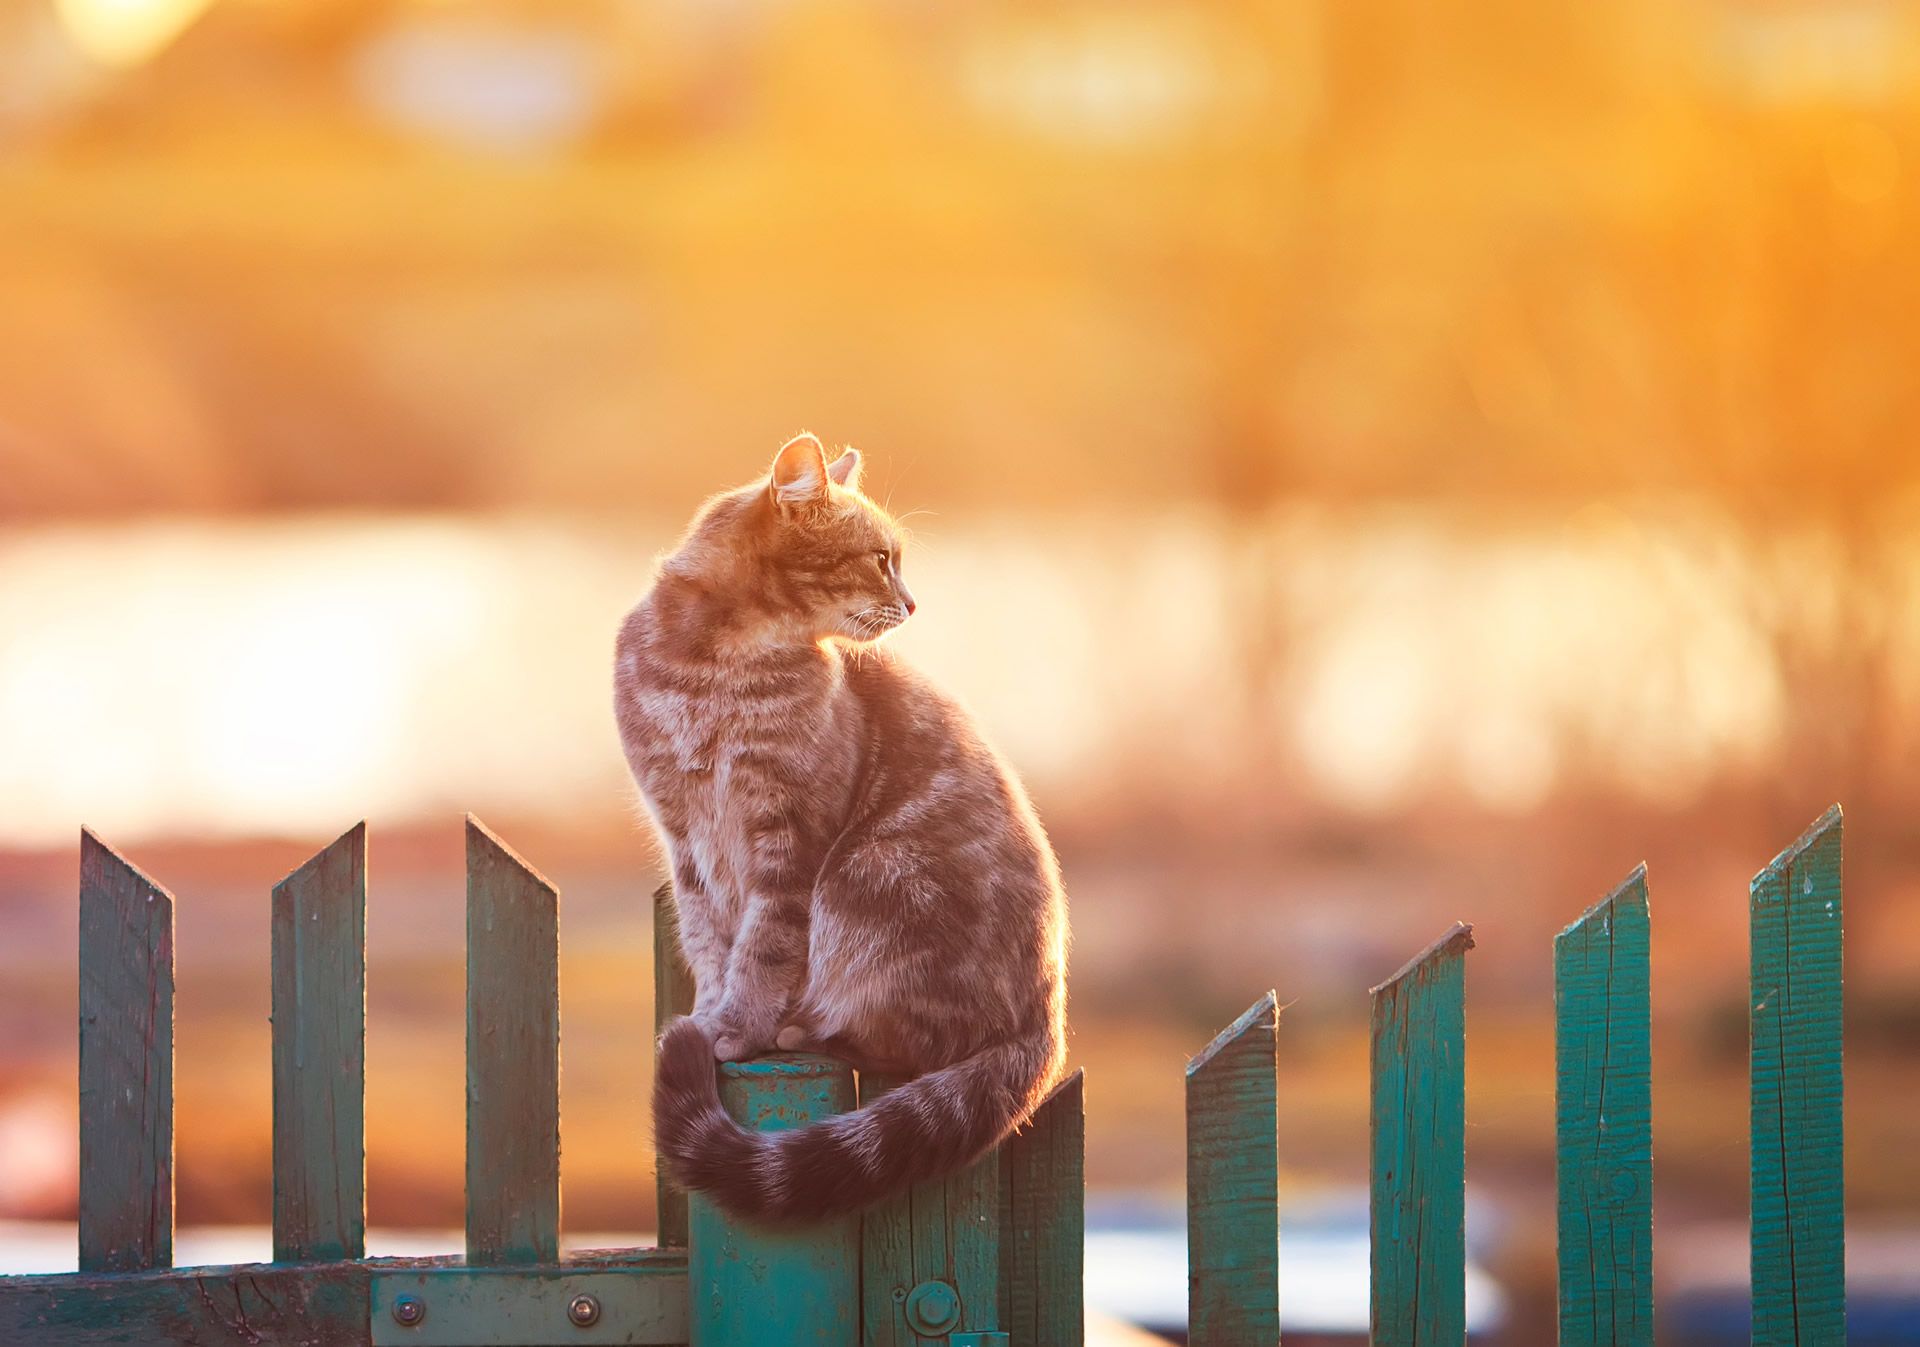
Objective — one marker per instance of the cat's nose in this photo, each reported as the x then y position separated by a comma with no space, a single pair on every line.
906,601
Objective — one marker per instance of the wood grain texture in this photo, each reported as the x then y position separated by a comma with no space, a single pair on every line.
947,1232
1233,1185
1604,1131
513,1057
1799,1242
672,996
319,1055
257,1305
747,1284
334,1304
1418,1149
1043,1223
126,1065
642,1304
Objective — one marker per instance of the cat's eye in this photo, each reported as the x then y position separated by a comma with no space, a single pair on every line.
883,560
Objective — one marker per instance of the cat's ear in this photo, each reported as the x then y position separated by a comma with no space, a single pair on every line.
846,468
799,472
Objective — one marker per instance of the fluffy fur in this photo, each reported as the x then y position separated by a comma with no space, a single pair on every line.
855,871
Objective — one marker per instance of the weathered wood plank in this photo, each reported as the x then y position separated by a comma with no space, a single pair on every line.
886,1258
319,1055
639,1305
1233,1185
513,1056
1799,1199
945,1233
886,1270
126,1065
972,1203
1418,1151
349,1304
749,1284
1604,1123
672,996
257,1305
1043,1180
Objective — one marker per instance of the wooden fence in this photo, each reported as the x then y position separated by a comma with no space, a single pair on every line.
990,1257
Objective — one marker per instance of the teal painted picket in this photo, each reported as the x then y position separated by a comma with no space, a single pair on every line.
126,1065
1419,1155
1233,1184
1604,1122
991,1257
513,1056
1798,1248
320,1056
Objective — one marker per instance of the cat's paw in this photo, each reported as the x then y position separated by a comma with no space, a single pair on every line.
738,1047
792,1038
734,1038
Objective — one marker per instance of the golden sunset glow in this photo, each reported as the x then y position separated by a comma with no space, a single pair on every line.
1365,465
127,32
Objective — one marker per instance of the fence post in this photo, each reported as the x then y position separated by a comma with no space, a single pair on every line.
1233,1184
751,1286
930,1259
126,1065
1043,1222
1419,1183
1604,1133
672,996
513,1056
1799,1237
319,963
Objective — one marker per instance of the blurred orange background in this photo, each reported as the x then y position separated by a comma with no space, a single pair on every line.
1368,464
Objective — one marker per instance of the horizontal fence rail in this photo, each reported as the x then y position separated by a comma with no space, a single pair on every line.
990,1257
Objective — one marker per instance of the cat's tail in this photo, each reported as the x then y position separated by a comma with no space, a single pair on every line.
925,1129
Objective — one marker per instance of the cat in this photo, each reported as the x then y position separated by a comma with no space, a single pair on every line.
855,871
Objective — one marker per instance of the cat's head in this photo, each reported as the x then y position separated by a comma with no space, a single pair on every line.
804,550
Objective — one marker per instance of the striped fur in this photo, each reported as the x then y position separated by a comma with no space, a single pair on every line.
855,870
924,1129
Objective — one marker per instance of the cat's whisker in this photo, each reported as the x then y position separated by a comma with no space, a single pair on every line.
867,624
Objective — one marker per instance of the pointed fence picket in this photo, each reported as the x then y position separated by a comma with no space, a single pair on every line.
1604,1122
320,1056
126,1065
1233,1184
513,1056
1798,1245
990,1257
1418,1189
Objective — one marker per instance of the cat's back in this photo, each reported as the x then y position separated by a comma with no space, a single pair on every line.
928,743
656,679
904,705
655,640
